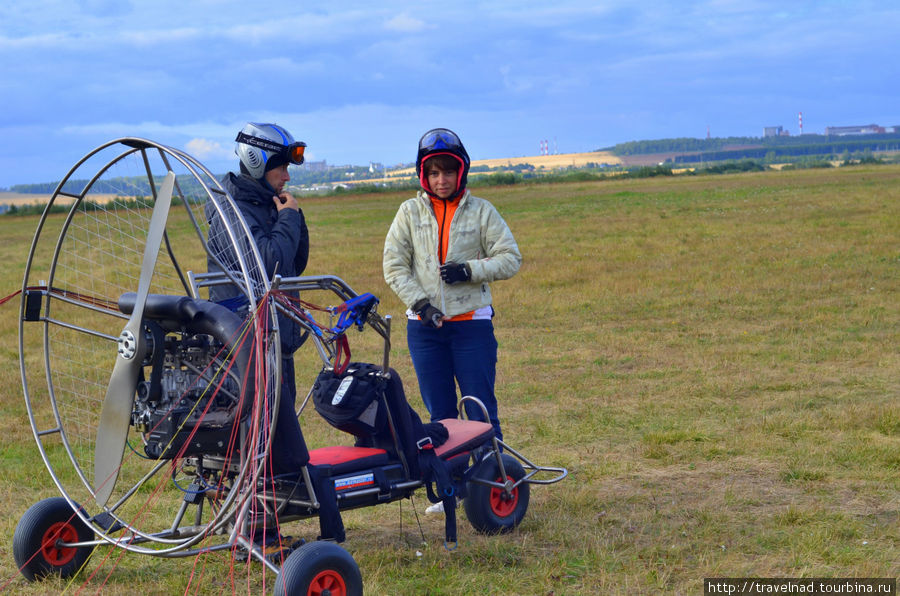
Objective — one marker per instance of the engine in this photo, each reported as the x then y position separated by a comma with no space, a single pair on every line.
188,405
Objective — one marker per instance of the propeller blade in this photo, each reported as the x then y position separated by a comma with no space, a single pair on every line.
115,416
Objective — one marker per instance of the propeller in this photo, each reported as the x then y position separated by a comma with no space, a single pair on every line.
115,416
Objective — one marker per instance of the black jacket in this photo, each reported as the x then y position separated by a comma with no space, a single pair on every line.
281,237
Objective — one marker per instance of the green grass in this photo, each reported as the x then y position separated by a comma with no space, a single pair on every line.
714,359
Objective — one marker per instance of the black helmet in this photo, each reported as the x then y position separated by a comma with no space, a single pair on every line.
442,141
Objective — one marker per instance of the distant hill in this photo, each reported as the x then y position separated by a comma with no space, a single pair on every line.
775,148
677,151
301,177
135,185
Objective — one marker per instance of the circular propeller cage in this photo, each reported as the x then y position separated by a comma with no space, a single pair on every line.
96,242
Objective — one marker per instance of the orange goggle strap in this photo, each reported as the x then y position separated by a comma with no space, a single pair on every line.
293,152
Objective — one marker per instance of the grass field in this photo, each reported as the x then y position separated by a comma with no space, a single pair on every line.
714,358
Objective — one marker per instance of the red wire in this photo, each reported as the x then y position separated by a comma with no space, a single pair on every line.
10,297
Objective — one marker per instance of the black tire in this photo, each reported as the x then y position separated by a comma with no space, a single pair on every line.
34,541
319,568
490,510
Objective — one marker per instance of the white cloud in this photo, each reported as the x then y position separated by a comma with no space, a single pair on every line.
151,37
105,8
405,24
38,41
204,149
149,129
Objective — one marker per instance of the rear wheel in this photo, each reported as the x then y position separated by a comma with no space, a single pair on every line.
319,569
36,542
493,510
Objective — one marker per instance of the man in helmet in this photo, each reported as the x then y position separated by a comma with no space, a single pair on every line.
443,249
279,229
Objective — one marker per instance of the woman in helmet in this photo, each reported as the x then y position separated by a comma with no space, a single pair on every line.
279,230
443,249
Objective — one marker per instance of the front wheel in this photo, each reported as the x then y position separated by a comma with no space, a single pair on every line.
317,569
36,541
493,510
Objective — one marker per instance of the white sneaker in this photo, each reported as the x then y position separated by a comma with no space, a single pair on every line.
439,507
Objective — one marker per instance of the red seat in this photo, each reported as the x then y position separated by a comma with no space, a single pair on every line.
465,435
340,458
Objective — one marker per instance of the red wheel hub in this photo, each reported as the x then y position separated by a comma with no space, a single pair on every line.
327,583
53,554
503,504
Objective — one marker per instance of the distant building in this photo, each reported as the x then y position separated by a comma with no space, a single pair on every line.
773,131
315,166
842,131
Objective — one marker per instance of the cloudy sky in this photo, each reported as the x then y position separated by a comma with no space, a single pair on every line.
360,81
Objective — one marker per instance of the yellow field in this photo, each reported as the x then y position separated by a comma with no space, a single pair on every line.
553,161
20,198
540,162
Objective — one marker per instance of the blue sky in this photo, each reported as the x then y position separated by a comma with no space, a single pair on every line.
360,81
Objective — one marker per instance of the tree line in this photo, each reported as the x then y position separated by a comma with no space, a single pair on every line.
714,149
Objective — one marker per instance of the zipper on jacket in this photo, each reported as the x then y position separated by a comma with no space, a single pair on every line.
440,253
440,243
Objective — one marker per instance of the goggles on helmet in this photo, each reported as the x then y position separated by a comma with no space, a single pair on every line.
292,153
439,139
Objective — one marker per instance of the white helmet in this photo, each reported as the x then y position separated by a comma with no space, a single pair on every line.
262,147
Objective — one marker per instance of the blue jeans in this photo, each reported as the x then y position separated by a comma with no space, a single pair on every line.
463,352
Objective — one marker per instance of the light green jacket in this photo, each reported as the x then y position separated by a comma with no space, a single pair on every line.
478,237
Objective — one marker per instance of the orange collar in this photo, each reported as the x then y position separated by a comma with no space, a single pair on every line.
443,212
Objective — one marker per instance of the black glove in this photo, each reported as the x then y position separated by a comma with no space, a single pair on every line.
452,272
431,317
